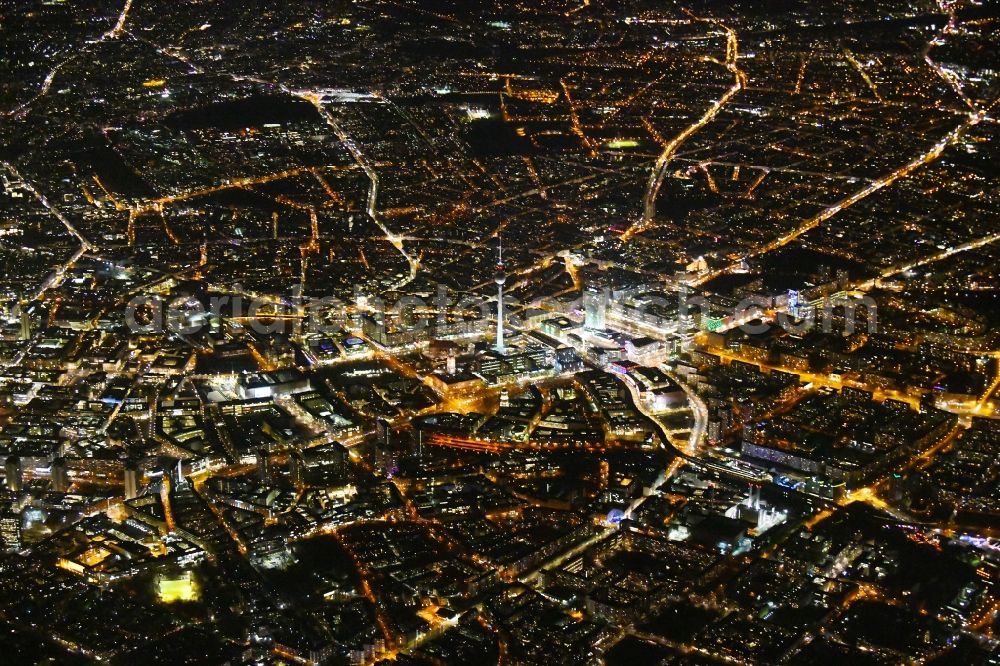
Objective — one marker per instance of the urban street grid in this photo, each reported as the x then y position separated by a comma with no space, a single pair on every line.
432,332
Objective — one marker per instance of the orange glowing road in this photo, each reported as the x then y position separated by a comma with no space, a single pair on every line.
902,172
119,28
156,205
803,63
362,161
575,119
822,380
984,398
56,277
917,263
864,75
114,33
946,74
631,100
659,171
488,446
87,245
975,116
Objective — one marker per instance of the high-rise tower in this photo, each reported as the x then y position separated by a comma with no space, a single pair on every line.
14,470
131,480
500,278
58,479
24,322
595,306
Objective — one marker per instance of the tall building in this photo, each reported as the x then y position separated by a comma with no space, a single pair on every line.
595,307
131,480
15,480
10,531
793,303
333,455
24,321
383,430
297,469
263,466
500,278
58,479
177,475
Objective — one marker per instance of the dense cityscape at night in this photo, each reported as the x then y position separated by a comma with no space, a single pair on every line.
435,332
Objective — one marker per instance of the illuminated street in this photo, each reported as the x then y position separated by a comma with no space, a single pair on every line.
420,333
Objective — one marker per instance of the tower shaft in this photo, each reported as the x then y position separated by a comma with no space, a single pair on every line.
500,347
